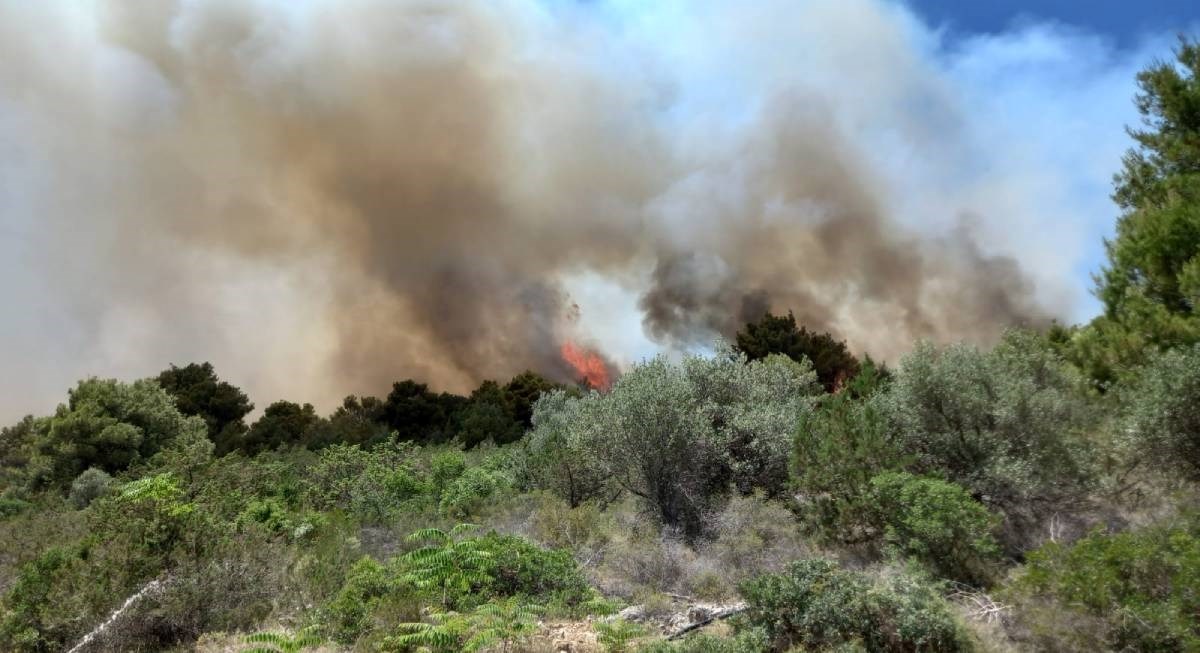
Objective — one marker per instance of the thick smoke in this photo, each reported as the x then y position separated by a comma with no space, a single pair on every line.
323,197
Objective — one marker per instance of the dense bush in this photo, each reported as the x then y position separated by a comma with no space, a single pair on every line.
32,619
839,448
816,605
373,595
373,484
1141,586
516,567
937,523
467,493
452,572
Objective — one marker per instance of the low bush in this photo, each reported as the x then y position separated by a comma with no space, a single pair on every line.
374,484
751,535
818,606
1141,586
452,572
466,494
517,567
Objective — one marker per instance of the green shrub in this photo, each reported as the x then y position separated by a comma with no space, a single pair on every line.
371,588
818,606
277,642
469,490
501,622
469,571
451,572
1142,585
373,484
12,506
838,449
445,467
617,635
936,523
32,618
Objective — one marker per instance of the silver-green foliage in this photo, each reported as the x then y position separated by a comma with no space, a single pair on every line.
1005,423
1163,413
675,434
89,486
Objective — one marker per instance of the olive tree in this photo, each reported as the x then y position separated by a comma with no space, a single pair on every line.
1162,413
676,435
1007,424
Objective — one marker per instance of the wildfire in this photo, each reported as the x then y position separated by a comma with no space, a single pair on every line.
588,365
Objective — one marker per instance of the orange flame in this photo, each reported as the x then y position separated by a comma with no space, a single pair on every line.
588,365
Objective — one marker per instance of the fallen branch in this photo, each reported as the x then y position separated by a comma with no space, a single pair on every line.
716,616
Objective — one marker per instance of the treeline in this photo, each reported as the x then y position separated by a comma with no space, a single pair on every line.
411,412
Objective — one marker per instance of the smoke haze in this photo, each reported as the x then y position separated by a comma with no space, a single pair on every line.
324,197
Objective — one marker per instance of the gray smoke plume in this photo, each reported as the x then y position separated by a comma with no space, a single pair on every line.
324,197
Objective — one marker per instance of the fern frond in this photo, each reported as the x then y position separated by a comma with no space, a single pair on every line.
428,534
265,638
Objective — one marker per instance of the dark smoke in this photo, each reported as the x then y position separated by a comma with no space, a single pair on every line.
324,198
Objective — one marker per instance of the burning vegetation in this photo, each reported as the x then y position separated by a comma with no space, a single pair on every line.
589,366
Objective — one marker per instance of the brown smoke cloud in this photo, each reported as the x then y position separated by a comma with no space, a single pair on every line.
325,197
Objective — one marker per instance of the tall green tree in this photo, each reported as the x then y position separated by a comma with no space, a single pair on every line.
108,425
282,423
198,391
779,334
416,414
1151,285
523,391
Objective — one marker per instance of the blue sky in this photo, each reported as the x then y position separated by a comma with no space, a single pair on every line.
1122,20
